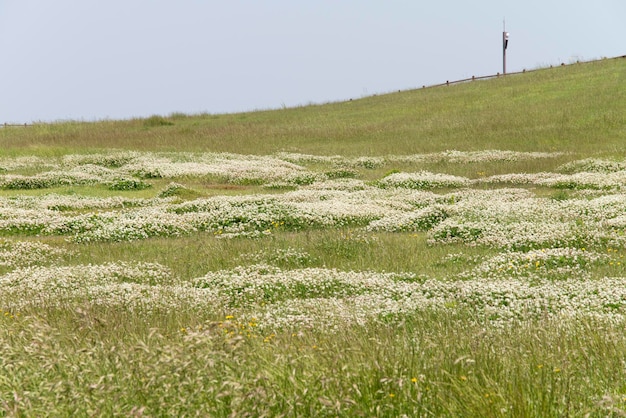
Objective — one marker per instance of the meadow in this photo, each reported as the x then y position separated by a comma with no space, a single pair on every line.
449,251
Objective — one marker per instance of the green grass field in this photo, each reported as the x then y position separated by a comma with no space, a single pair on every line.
451,251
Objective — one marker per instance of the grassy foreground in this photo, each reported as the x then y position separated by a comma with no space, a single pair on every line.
454,251
426,365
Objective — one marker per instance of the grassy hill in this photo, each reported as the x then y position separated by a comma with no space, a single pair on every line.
577,108
447,251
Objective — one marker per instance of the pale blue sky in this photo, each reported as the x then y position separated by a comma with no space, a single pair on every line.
97,59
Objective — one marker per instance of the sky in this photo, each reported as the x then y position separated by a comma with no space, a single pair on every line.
92,60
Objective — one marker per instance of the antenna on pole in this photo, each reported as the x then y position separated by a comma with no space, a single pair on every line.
505,44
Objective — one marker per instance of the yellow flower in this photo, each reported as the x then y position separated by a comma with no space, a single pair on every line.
229,317
463,378
391,395
414,379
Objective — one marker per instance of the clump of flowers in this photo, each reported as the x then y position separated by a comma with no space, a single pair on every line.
172,189
128,184
593,165
28,253
548,263
423,180
419,220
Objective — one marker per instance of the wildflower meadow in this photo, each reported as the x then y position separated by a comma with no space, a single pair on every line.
450,282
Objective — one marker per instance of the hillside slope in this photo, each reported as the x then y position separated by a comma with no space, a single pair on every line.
579,108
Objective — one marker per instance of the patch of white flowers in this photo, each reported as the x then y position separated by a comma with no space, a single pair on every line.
56,202
583,180
423,180
416,220
142,287
577,181
593,165
236,168
326,297
27,162
509,218
316,297
541,269
523,221
109,168
15,253
536,265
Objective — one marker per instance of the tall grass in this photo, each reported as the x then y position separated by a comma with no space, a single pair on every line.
431,364
343,249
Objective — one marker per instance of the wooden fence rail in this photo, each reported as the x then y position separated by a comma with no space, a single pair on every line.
484,77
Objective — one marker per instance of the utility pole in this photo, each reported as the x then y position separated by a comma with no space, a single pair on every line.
505,44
